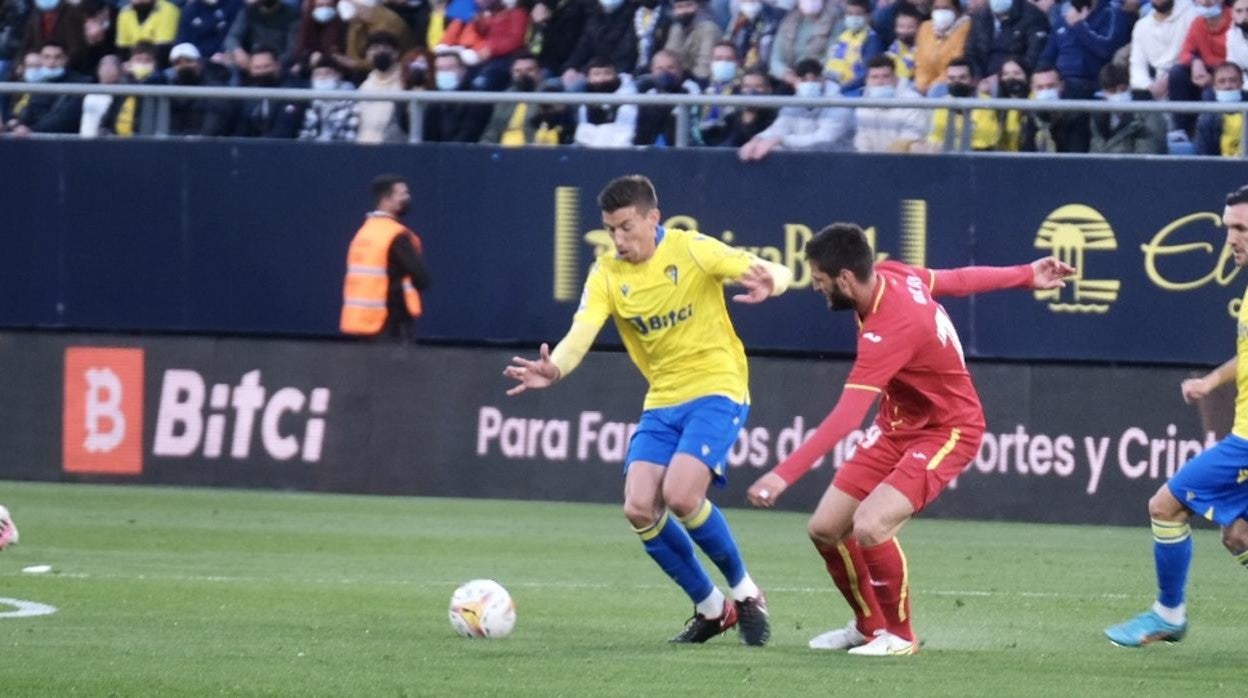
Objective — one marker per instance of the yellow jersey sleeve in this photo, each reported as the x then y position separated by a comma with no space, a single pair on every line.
594,310
717,259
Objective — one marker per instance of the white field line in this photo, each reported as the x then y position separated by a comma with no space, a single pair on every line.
352,581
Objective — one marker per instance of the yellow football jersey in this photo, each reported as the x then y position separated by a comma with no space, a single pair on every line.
671,314
1240,428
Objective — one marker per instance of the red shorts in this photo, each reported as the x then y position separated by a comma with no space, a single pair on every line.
917,464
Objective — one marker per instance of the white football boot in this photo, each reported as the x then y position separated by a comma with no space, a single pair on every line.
886,644
839,639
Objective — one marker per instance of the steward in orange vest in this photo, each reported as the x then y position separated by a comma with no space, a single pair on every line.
385,269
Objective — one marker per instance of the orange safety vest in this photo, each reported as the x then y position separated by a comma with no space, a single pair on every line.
364,289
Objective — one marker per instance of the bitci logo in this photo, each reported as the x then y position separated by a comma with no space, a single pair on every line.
103,417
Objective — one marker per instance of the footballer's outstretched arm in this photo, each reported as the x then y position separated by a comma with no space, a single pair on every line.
761,278
551,366
1042,274
1197,388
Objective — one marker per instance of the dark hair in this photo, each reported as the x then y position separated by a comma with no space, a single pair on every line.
961,62
259,49
601,62
524,55
841,246
1114,75
1018,61
1228,66
908,10
145,48
808,66
326,61
383,186
449,54
729,44
53,44
382,39
1237,197
957,4
629,190
883,60
864,4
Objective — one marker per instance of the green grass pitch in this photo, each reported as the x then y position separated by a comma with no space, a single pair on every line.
164,592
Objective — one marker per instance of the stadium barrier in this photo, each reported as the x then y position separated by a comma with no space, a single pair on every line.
250,238
1074,444
416,101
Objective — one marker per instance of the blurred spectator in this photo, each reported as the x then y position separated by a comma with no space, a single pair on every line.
61,23
151,21
454,123
1203,47
1237,36
330,119
437,25
724,70
652,22
1012,82
740,126
846,62
488,41
1005,29
135,116
804,33
12,25
609,36
366,19
606,126
693,36
107,72
888,130
419,76
1221,134
50,113
949,131
555,27
379,122
805,128
415,14
206,23
189,116
1085,40
1053,132
941,39
1125,133
267,118
514,125
29,69
884,19
901,50
271,24
657,125
322,33
1155,44
753,30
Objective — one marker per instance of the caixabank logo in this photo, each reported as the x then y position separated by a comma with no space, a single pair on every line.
240,419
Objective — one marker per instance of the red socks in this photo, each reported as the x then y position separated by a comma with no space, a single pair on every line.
887,565
846,564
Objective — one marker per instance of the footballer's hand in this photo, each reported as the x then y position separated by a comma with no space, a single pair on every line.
1195,388
1050,272
766,490
758,283
542,373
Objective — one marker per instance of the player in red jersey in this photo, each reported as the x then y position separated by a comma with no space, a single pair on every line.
926,432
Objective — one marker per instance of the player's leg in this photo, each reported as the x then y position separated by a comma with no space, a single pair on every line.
663,538
710,427
1235,538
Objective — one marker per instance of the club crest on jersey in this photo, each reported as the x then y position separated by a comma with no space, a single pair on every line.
624,288
672,273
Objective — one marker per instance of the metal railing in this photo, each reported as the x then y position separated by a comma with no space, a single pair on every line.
418,100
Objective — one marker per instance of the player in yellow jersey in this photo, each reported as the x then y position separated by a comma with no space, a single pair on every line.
1213,484
664,289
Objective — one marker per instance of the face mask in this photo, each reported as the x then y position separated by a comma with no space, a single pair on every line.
648,4
210,2
186,75
1212,12
604,87
751,9
324,14
509,3
943,19
1014,88
1050,95
47,5
855,23
808,90
906,39
524,83
1124,96
684,20
269,3
723,71
1000,7
265,80
50,74
346,10
1228,95
141,71
785,5
447,80
368,3
326,84
36,74
1163,7
879,91
960,89
383,61
610,5
1243,28
666,82
810,7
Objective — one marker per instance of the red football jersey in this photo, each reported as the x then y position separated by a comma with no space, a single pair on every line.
909,350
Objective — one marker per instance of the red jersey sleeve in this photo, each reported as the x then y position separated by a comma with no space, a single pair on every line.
966,281
884,347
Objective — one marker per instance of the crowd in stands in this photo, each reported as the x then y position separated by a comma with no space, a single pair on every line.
1114,50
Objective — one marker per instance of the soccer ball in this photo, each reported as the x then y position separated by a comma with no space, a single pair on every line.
482,608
